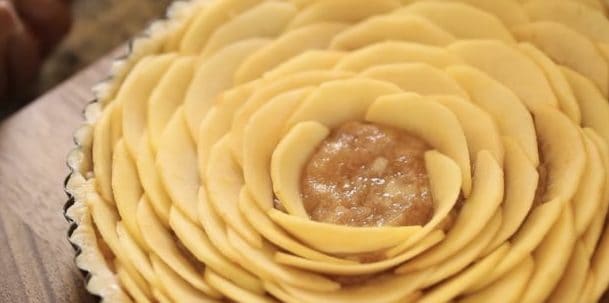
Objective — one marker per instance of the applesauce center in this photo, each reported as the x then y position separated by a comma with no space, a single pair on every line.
368,175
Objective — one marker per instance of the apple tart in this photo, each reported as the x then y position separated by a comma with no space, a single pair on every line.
350,151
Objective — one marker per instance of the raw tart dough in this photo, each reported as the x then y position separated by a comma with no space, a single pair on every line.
207,125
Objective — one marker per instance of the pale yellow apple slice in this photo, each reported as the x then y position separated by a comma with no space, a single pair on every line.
260,261
454,286
308,61
134,290
274,234
138,256
479,128
565,159
509,66
339,101
430,121
175,161
127,189
576,15
134,95
267,19
563,151
593,105
279,293
568,47
288,161
601,264
105,219
316,36
262,134
178,289
551,258
564,94
589,288
160,295
332,238
445,179
267,92
590,238
214,76
461,20
465,257
511,116
168,96
420,78
508,289
101,151
151,182
211,17
588,198
162,244
232,291
528,237
346,11
573,279
384,289
196,241
396,52
521,180
180,18
391,28
509,12
224,181
347,269
214,227
477,210
217,122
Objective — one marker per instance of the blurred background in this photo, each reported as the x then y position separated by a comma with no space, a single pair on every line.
98,27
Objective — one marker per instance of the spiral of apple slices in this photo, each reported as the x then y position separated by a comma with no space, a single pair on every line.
211,120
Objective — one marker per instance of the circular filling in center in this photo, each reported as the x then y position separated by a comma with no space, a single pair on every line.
368,175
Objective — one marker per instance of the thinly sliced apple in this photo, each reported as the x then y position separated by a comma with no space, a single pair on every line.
345,11
134,95
568,47
308,61
391,28
420,78
168,96
288,161
336,102
232,291
396,52
267,19
174,161
461,20
214,76
504,63
208,20
196,241
430,121
293,43
332,238
512,117
263,133
224,181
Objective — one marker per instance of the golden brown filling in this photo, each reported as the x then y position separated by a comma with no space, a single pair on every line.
368,175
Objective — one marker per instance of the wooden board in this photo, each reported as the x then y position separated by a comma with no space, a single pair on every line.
36,260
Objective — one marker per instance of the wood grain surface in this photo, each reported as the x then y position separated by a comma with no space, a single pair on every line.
36,260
